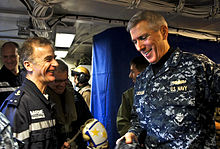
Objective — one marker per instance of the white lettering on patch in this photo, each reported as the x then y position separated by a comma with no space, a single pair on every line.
37,114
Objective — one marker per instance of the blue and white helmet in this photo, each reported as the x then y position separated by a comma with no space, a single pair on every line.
95,133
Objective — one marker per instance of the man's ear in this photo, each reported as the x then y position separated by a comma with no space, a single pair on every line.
28,66
164,31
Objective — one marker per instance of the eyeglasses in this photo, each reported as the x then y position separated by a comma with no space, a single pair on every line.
61,81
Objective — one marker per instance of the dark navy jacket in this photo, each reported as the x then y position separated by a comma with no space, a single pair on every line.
176,105
8,83
31,117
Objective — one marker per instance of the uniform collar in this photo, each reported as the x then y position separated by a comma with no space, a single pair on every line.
156,67
170,63
174,58
34,89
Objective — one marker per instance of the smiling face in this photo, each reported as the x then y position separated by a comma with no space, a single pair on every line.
10,57
150,43
41,68
59,85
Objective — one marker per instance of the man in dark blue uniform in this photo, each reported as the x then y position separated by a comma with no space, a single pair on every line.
29,111
175,97
10,73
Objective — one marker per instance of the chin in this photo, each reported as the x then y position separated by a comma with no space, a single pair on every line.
10,68
50,79
59,92
152,60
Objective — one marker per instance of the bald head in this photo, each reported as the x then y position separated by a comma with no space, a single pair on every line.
10,57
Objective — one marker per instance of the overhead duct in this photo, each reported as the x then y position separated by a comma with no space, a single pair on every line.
41,11
193,34
23,27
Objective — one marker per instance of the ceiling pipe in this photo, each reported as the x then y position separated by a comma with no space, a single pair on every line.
214,9
180,6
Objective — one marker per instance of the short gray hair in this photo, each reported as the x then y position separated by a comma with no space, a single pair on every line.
154,19
27,49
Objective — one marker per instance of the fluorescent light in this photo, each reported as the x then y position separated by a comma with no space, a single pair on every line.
64,40
61,54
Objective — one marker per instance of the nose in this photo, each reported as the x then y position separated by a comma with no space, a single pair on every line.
139,45
9,58
63,83
54,63
130,75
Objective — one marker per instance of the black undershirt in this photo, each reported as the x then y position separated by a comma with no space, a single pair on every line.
156,67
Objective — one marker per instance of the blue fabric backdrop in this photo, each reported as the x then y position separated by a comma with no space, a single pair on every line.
209,48
112,53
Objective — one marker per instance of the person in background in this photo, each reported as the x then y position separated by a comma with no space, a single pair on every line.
217,124
175,97
6,137
71,109
137,65
28,109
81,79
10,73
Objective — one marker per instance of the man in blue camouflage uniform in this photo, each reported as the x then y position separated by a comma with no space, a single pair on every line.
6,139
175,97
28,109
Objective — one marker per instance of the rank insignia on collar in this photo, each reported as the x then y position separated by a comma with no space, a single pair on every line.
18,93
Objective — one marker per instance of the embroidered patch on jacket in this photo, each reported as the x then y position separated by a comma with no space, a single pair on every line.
37,114
140,93
179,85
178,82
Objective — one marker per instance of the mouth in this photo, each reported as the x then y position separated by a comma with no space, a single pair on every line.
51,71
148,51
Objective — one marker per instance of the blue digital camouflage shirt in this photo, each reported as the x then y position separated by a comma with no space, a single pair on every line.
6,139
176,105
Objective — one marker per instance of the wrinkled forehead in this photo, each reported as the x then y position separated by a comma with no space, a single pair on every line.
42,54
42,50
141,28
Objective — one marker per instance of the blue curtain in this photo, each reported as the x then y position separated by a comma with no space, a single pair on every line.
112,53
208,48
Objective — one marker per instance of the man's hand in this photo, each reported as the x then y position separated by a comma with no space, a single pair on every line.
217,125
129,137
65,145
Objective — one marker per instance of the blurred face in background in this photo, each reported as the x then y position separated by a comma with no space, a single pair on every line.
133,73
76,79
10,57
60,82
